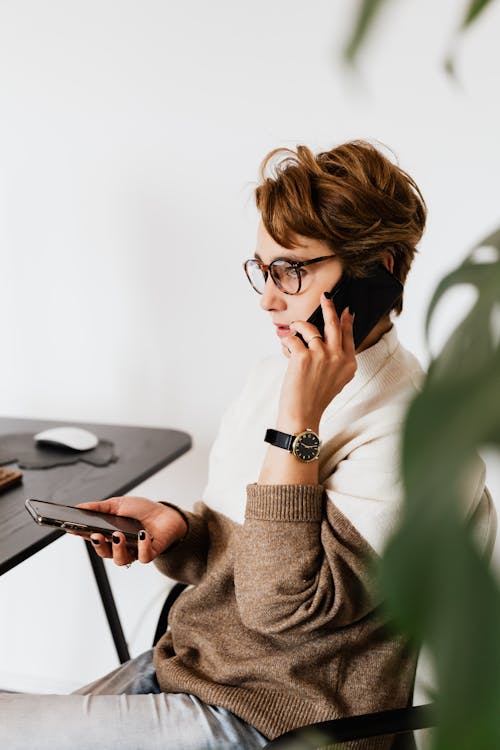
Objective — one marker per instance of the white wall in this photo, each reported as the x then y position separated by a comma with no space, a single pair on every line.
130,139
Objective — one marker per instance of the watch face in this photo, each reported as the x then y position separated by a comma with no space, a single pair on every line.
306,446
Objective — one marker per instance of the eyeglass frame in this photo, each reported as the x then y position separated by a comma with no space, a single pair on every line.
267,269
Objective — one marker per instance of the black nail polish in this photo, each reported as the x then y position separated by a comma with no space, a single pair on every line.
95,541
142,535
116,539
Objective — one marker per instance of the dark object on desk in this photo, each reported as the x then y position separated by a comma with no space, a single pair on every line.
143,451
9,477
21,447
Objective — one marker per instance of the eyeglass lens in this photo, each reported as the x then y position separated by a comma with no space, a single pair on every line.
285,276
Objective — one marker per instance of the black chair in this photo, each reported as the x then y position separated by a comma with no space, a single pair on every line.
401,722
162,624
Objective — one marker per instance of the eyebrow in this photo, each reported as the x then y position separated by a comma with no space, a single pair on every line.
283,256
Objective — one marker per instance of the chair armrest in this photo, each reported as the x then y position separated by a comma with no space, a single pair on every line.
325,733
161,627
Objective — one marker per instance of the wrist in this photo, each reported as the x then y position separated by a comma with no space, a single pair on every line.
294,425
282,467
179,522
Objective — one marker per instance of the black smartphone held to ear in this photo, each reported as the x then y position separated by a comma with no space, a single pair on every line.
369,299
84,521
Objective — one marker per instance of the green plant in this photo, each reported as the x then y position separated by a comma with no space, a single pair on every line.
370,10
438,586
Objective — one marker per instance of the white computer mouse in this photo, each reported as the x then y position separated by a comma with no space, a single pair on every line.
68,437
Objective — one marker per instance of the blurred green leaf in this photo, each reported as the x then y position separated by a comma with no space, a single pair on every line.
449,67
368,11
449,421
475,8
446,594
436,583
364,21
471,272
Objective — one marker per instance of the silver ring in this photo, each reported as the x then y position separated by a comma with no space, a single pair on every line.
315,337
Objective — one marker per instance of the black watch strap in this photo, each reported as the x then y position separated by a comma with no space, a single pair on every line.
279,439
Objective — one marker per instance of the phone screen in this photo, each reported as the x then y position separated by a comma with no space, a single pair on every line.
369,298
78,519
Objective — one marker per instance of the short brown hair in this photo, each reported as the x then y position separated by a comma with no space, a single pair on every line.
351,197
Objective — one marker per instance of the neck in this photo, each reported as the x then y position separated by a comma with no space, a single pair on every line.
380,329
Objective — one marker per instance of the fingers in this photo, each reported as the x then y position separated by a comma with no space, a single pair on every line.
121,551
306,330
123,554
292,343
333,330
347,325
101,545
116,549
145,548
338,332
286,350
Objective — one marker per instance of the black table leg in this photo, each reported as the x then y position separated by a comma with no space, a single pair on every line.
108,603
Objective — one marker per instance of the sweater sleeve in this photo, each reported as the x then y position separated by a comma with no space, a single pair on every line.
367,488
301,564
186,560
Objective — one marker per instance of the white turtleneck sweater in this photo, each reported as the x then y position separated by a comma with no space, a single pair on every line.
360,434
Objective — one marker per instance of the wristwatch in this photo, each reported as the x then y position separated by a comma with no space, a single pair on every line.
305,445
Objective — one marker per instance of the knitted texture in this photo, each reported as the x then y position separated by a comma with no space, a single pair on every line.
282,626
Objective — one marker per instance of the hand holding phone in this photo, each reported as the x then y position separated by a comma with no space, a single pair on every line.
144,529
312,382
369,299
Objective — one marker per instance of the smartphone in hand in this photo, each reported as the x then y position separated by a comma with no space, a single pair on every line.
83,521
369,298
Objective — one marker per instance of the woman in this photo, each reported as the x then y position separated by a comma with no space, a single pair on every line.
282,626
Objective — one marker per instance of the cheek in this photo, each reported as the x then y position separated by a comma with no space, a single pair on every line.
309,299
324,281
308,303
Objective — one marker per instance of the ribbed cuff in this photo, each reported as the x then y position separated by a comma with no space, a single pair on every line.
284,502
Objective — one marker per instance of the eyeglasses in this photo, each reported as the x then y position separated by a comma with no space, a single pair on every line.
286,274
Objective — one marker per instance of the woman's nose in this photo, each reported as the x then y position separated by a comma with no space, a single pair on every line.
271,299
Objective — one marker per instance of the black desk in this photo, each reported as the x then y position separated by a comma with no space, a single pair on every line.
142,451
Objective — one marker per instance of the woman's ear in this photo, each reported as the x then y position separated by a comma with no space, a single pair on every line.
389,261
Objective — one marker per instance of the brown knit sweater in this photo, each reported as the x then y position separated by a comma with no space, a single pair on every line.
282,626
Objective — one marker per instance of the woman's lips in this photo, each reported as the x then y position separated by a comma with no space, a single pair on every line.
283,331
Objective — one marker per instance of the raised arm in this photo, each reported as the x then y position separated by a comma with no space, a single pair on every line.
292,560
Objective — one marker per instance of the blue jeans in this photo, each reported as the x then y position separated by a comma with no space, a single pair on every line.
124,710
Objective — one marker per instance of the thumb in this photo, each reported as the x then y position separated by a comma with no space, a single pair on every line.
111,505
